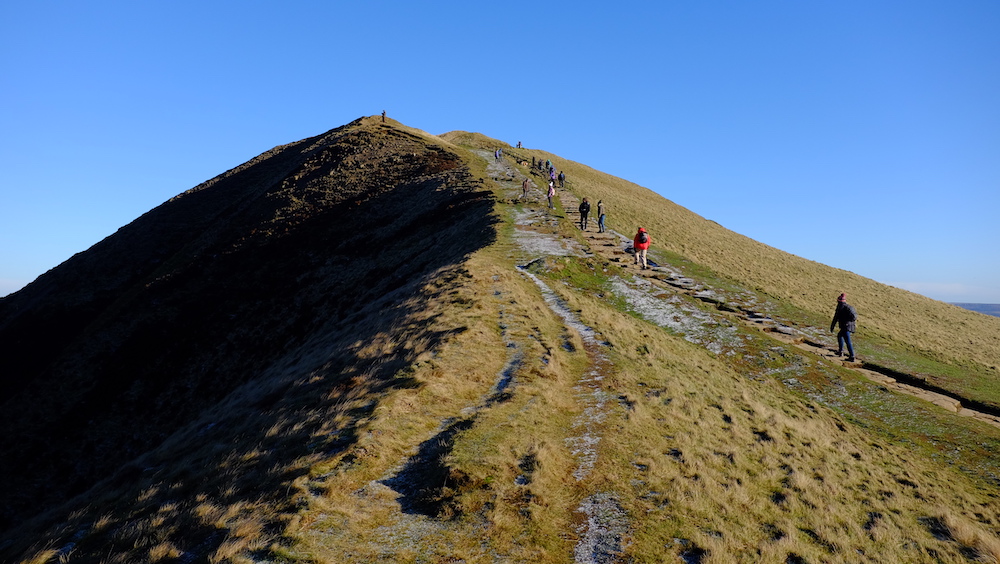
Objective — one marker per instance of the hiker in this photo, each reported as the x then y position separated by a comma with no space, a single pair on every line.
383,116
846,316
552,192
584,211
641,244
524,188
600,216
562,179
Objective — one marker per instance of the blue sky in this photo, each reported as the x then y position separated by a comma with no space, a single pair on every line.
863,135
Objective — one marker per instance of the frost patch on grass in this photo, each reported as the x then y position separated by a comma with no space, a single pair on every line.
595,401
544,244
602,536
587,334
676,314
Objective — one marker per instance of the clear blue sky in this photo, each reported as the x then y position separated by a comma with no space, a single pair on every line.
860,134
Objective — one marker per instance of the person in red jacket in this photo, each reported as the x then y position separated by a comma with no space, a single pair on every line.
641,244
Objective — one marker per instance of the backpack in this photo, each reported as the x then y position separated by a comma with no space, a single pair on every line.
850,315
643,238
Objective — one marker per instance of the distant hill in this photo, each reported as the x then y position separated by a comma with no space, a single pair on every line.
369,346
988,309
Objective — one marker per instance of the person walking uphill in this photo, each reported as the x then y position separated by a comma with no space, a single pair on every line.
584,212
600,216
641,244
846,316
552,193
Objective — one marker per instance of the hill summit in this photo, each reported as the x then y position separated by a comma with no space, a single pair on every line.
378,344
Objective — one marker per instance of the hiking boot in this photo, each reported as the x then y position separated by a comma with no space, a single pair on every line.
850,359
840,353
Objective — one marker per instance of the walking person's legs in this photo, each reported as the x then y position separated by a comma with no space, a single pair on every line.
844,338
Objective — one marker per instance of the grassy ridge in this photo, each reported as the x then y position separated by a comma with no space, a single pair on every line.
699,459
898,327
381,434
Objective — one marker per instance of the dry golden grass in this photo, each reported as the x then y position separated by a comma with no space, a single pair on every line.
948,331
706,461
728,463
707,464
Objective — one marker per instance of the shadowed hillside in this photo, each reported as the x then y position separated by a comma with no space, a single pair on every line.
370,346
141,337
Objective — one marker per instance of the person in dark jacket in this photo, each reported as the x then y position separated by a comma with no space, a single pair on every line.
640,244
846,317
584,212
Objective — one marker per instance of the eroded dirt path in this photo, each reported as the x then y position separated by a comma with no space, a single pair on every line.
603,532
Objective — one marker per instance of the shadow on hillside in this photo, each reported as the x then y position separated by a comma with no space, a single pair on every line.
206,390
423,482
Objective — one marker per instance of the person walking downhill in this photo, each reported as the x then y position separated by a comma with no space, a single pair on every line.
552,192
584,212
641,244
846,316
600,216
524,188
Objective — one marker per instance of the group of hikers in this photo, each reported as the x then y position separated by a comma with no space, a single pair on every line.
845,315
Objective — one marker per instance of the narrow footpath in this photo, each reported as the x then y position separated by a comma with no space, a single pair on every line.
615,247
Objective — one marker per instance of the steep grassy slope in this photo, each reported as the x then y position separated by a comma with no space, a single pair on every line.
898,328
605,438
216,295
380,353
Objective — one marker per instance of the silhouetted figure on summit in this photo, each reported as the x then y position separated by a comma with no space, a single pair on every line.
847,317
